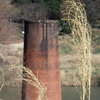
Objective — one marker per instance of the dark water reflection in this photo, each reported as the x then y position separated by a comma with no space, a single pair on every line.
68,93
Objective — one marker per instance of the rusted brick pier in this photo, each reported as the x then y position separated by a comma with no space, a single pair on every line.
42,57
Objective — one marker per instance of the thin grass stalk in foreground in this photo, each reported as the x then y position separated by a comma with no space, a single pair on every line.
1,78
28,76
75,15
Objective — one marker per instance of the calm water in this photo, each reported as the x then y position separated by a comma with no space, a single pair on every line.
10,93
68,93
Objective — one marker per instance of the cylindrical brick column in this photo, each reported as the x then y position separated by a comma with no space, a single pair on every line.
42,57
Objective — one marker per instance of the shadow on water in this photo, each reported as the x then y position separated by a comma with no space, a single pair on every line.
68,93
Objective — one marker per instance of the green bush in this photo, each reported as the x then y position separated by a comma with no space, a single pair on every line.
22,1
97,51
53,7
65,27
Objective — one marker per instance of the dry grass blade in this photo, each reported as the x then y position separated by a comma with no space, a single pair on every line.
1,78
28,76
75,15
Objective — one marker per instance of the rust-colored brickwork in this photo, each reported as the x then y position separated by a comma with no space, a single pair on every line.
42,57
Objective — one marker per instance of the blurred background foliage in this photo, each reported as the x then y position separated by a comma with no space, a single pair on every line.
19,10
51,9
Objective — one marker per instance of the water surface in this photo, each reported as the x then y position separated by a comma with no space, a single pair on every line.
68,93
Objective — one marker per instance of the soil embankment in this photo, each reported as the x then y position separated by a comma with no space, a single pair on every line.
12,54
